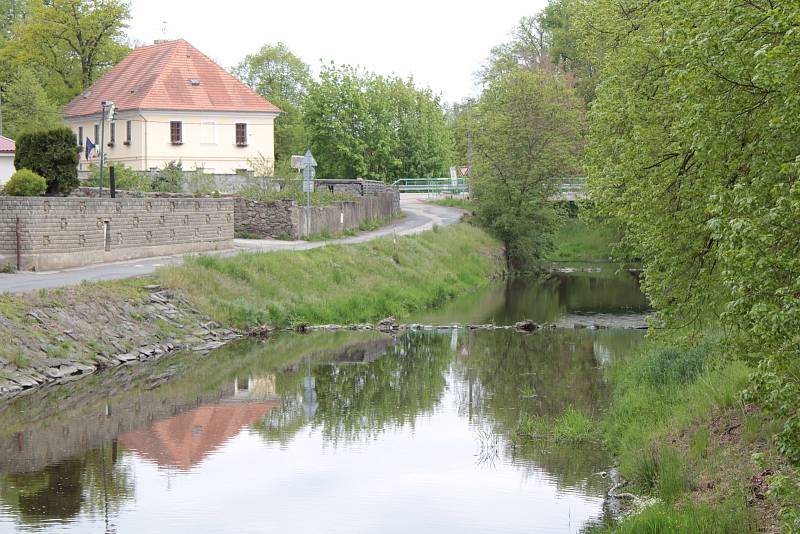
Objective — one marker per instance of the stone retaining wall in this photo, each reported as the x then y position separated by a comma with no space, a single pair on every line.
288,219
58,232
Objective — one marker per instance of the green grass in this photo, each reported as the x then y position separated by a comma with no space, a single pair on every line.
572,426
339,283
729,517
663,401
579,240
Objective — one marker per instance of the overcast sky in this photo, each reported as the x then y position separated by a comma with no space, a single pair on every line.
440,42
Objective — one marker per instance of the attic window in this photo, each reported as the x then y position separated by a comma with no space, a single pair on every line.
194,82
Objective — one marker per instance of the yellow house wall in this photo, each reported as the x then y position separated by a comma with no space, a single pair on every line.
209,140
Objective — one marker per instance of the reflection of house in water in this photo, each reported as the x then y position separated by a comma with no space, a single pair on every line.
258,388
185,440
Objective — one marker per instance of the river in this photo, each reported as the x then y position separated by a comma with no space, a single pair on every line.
336,431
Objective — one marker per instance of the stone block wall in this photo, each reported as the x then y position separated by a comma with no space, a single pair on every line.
288,219
347,215
265,219
59,232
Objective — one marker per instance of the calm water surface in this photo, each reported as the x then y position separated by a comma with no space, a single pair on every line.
333,432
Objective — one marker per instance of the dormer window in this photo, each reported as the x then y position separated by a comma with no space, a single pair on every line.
194,82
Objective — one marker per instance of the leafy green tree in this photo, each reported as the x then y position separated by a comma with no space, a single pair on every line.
26,105
693,147
72,41
50,153
280,76
11,12
562,38
527,129
364,125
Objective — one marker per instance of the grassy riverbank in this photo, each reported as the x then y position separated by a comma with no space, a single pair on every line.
339,284
579,240
683,436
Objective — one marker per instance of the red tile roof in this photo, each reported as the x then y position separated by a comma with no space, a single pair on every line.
7,145
160,76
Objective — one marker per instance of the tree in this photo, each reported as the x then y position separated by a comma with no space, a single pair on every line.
53,154
693,147
280,76
26,105
11,12
527,129
73,41
562,38
364,125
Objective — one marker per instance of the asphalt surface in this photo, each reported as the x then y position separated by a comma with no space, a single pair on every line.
420,216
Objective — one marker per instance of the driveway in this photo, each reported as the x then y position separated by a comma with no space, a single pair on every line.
420,216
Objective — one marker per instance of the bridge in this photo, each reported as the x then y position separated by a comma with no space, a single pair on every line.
569,188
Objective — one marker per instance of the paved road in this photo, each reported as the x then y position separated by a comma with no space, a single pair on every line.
420,217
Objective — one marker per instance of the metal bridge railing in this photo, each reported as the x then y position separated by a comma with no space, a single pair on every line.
566,184
432,185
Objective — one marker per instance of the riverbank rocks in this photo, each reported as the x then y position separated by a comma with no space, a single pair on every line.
526,326
65,334
389,324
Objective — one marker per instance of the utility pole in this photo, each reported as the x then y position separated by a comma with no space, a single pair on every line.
1,112
106,104
469,162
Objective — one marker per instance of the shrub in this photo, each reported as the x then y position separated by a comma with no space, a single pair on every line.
170,178
126,178
25,183
50,153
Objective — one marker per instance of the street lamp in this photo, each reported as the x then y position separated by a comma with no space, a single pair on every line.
108,107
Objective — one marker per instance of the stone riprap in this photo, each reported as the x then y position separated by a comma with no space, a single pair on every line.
58,232
63,336
287,219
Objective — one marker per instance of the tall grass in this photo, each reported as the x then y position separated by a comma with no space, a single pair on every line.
578,240
728,518
657,394
342,283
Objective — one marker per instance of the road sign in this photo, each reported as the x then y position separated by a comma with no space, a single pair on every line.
464,171
309,172
297,162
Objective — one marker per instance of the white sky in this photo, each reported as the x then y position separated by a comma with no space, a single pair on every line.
440,42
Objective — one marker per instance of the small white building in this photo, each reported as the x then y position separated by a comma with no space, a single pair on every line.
173,103
7,149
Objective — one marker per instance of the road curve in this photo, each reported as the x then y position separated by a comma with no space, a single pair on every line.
420,216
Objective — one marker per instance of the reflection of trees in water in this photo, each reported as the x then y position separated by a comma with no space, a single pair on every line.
501,377
361,400
546,298
92,483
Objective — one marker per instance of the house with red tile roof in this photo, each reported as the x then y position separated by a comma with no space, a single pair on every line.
173,103
7,150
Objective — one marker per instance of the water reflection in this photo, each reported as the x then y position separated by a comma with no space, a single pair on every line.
352,432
